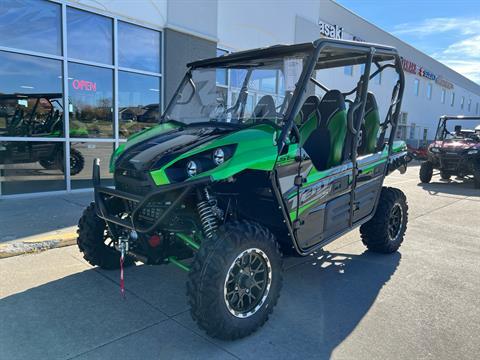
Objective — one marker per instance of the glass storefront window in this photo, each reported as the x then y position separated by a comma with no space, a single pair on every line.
138,47
33,25
90,36
33,166
32,94
138,102
82,155
90,101
31,100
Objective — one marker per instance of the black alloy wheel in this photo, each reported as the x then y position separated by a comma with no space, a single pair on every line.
248,283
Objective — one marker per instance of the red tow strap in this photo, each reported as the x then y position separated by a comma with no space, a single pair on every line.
122,281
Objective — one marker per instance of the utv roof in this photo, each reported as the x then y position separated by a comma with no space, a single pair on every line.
335,53
459,117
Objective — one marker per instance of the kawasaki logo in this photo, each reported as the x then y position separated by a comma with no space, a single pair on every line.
331,31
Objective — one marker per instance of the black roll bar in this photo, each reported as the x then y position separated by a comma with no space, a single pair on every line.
132,222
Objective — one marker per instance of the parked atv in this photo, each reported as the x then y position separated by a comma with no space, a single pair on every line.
222,191
48,154
419,153
19,123
454,153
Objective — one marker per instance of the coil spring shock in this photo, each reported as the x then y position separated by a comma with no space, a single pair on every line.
206,214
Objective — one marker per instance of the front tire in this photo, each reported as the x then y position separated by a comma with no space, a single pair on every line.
384,233
235,280
77,162
95,242
426,172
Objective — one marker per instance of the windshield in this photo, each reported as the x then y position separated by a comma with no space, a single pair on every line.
246,93
468,130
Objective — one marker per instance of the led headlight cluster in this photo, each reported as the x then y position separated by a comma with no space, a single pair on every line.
199,163
435,149
194,166
472,151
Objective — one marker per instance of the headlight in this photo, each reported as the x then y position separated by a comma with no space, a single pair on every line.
435,150
472,152
199,163
192,168
218,156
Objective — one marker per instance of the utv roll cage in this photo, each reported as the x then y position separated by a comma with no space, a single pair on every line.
442,123
324,54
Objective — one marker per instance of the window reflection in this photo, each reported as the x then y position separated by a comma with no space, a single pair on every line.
31,25
30,96
138,102
82,155
90,95
32,166
138,47
89,36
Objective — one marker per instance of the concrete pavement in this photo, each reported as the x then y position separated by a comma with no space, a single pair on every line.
344,303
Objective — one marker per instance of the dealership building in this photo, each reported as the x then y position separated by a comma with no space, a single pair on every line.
115,64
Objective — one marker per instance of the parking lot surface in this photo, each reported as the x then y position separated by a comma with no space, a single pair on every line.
343,303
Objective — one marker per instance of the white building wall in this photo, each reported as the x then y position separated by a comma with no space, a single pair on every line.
250,24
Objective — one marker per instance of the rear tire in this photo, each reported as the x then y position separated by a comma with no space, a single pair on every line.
92,238
230,294
384,233
426,172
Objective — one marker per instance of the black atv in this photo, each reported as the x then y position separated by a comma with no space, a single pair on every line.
454,153
222,189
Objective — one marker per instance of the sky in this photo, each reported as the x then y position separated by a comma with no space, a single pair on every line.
449,31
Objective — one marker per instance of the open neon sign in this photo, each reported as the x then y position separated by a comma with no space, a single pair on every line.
84,85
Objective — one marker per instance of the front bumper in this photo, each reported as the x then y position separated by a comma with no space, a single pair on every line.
454,162
139,204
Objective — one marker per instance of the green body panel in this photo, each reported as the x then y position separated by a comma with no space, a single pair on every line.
399,146
256,150
372,125
337,126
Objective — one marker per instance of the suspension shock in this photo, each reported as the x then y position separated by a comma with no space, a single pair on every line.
206,213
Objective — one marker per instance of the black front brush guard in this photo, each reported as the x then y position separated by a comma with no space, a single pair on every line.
132,222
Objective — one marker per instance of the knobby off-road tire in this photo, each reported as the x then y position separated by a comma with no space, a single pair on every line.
212,290
384,233
77,162
426,171
92,239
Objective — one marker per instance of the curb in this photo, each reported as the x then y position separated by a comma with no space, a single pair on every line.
38,243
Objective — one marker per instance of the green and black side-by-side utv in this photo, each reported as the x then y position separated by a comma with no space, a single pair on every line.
236,175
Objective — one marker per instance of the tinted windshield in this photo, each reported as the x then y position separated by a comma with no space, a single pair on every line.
248,93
